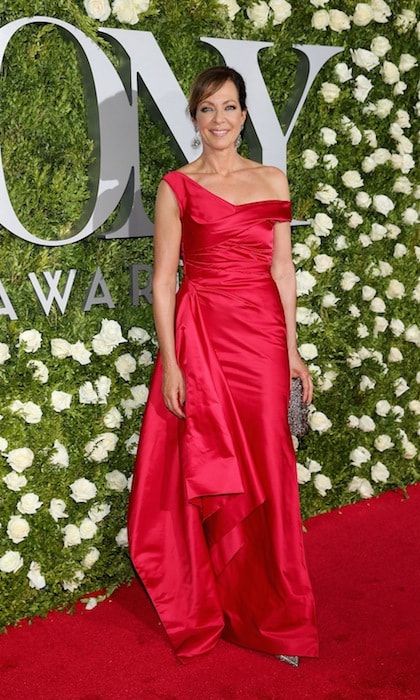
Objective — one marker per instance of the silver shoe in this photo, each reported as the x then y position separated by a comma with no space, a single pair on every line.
293,660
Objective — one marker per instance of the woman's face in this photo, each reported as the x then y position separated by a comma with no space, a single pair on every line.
219,117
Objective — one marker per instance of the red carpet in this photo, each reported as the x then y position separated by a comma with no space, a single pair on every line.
365,568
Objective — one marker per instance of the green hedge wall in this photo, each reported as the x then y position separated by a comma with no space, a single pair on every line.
360,337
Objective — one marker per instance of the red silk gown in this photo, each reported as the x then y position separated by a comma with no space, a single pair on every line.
214,524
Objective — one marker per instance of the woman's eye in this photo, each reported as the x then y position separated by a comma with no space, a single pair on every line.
231,107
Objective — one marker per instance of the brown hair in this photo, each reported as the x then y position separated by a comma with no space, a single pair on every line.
210,80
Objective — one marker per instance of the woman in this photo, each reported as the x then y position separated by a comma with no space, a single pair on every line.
214,524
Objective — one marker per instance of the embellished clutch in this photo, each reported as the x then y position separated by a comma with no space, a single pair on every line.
298,409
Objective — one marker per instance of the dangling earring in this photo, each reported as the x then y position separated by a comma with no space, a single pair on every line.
196,141
238,139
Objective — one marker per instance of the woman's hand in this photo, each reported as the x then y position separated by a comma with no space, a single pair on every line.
299,369
173,389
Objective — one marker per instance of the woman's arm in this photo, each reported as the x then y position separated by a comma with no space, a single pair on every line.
166,252
284,274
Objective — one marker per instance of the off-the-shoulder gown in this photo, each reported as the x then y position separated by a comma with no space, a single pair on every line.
214,523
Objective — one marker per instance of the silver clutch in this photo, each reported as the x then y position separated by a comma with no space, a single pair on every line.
298,409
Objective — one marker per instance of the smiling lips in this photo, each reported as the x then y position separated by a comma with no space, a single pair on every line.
219,132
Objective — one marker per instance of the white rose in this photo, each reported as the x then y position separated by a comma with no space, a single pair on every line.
40,370
338,20
305,282
329,136
60,456
20,458
116,480
320,20
322,224
410,450
36,579
399,88
29,503
31,340
145,358
405,21
98,9
395,355
380,46
397,326
330,160
412,334
60,348
382,204
138,335
125,11
390,73
88,529
326,193
108,338
343,72
322,484
363,486
30,411
329,300
359,456
122,538
75,581
87,394
363,14
140,394
99,511
363,200
407,62
15,481
82,490
258,13
17,528
281,9
323,262
410,216
383,442
379,472
125,366
60,400
308,351
103,387
383,107
231,6
378,306
362,89
370,137
80,353
395,290
11,562
310,158
330,92
402,185
368,292
364,59
132,443
377,232
57,509
4,353
354,219
71,535
414,406
303,474
90,558
113,418
319,422
352,179
348,280
381,11
381,155
366,424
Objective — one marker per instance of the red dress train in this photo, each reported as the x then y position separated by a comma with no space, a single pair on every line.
214,523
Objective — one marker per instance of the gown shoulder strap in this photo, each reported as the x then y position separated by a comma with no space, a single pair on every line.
177,184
